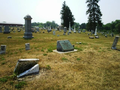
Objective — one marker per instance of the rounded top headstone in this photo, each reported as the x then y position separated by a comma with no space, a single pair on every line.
28,17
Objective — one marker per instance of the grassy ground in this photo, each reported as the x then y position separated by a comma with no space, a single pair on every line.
93,67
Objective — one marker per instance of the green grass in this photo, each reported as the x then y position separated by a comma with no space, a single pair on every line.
48,67
78,59
3,80
20,84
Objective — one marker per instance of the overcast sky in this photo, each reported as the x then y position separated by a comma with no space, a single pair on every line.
14,11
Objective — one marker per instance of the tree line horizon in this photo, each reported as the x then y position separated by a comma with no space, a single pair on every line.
94,19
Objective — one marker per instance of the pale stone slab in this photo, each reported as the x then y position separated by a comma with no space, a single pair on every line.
115,42
34,69
64,52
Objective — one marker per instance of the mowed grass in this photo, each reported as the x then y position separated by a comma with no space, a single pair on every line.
93,67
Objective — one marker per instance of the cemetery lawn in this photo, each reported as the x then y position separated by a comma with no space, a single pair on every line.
93,67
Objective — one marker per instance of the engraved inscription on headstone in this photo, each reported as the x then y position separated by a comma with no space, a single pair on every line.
64,45
115,42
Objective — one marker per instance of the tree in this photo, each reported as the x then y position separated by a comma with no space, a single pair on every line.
66,16
94,14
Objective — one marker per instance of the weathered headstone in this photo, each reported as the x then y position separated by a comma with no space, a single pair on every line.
115,43
53,32
6,29
106,36
97,37
26,67
64,45
74,30
3,49
27,46
9,37
28,33
0,29
65,30
95,31
91,37
69,28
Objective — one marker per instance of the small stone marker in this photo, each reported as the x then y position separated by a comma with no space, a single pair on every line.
53,32
65,30
3,49
106,36
115,43
9,37
91,37
97,37
27,46
26,67
6,29
64,45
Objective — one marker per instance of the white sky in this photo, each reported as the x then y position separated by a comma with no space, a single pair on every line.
14,11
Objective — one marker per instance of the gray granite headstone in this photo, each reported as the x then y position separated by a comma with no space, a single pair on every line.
65,30
115,42
27,46
69,28
0,29
3,49
28,32
6,29
64,45
53,32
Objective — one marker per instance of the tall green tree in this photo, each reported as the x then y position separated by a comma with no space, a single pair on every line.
66,16
94,14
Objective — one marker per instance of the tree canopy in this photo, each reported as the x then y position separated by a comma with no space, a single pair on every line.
66,16
94,14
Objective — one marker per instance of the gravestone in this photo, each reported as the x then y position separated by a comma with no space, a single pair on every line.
27,46
91,37
115,43
106,36
3,49
64,45
0,29
69,28
6,29
28,32
95,31
65,30
79,30
97,37
9,37
53,32
26,67
74,30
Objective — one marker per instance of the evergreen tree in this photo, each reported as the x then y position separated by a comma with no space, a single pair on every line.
66,16
94,14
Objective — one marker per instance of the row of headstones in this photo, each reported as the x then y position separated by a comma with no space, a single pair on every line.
3,48
8,29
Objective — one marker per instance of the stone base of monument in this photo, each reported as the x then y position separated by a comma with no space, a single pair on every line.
26,67
64,52
6,32
28,35
91,37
